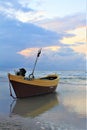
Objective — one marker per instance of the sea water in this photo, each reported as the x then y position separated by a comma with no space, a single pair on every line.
65,110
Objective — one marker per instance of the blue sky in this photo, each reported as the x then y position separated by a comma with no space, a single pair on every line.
58,27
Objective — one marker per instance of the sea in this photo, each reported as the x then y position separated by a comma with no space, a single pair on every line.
63,110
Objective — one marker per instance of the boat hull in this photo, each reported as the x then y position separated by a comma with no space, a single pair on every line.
25,89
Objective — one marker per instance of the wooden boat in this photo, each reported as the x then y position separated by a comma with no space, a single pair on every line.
32,107
31,87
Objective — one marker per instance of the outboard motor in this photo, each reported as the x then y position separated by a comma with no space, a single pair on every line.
21,72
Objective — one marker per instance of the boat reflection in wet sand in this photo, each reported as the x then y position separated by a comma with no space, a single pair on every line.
34,106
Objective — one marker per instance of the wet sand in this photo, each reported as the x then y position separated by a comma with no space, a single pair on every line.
63,110
18,123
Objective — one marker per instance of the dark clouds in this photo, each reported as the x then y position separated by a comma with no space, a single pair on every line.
16,35
21,35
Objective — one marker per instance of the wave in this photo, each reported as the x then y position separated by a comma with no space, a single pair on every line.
69,77
3,79
72,83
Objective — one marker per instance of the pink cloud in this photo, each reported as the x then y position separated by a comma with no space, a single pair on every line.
28,52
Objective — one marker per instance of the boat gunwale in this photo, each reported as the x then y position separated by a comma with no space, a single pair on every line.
39,81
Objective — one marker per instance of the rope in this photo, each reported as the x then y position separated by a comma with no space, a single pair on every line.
11,91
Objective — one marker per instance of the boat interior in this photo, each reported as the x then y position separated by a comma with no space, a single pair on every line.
49,77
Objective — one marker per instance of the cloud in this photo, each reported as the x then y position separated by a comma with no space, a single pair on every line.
64,24
24,3
20,35
77,41
30,3
32,51
55,57
16,36
20,13
24,30
28,52
78,36
72,28
31,16
81,49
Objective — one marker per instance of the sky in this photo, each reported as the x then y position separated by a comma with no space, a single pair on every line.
56,26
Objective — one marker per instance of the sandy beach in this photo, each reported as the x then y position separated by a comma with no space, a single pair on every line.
63,110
